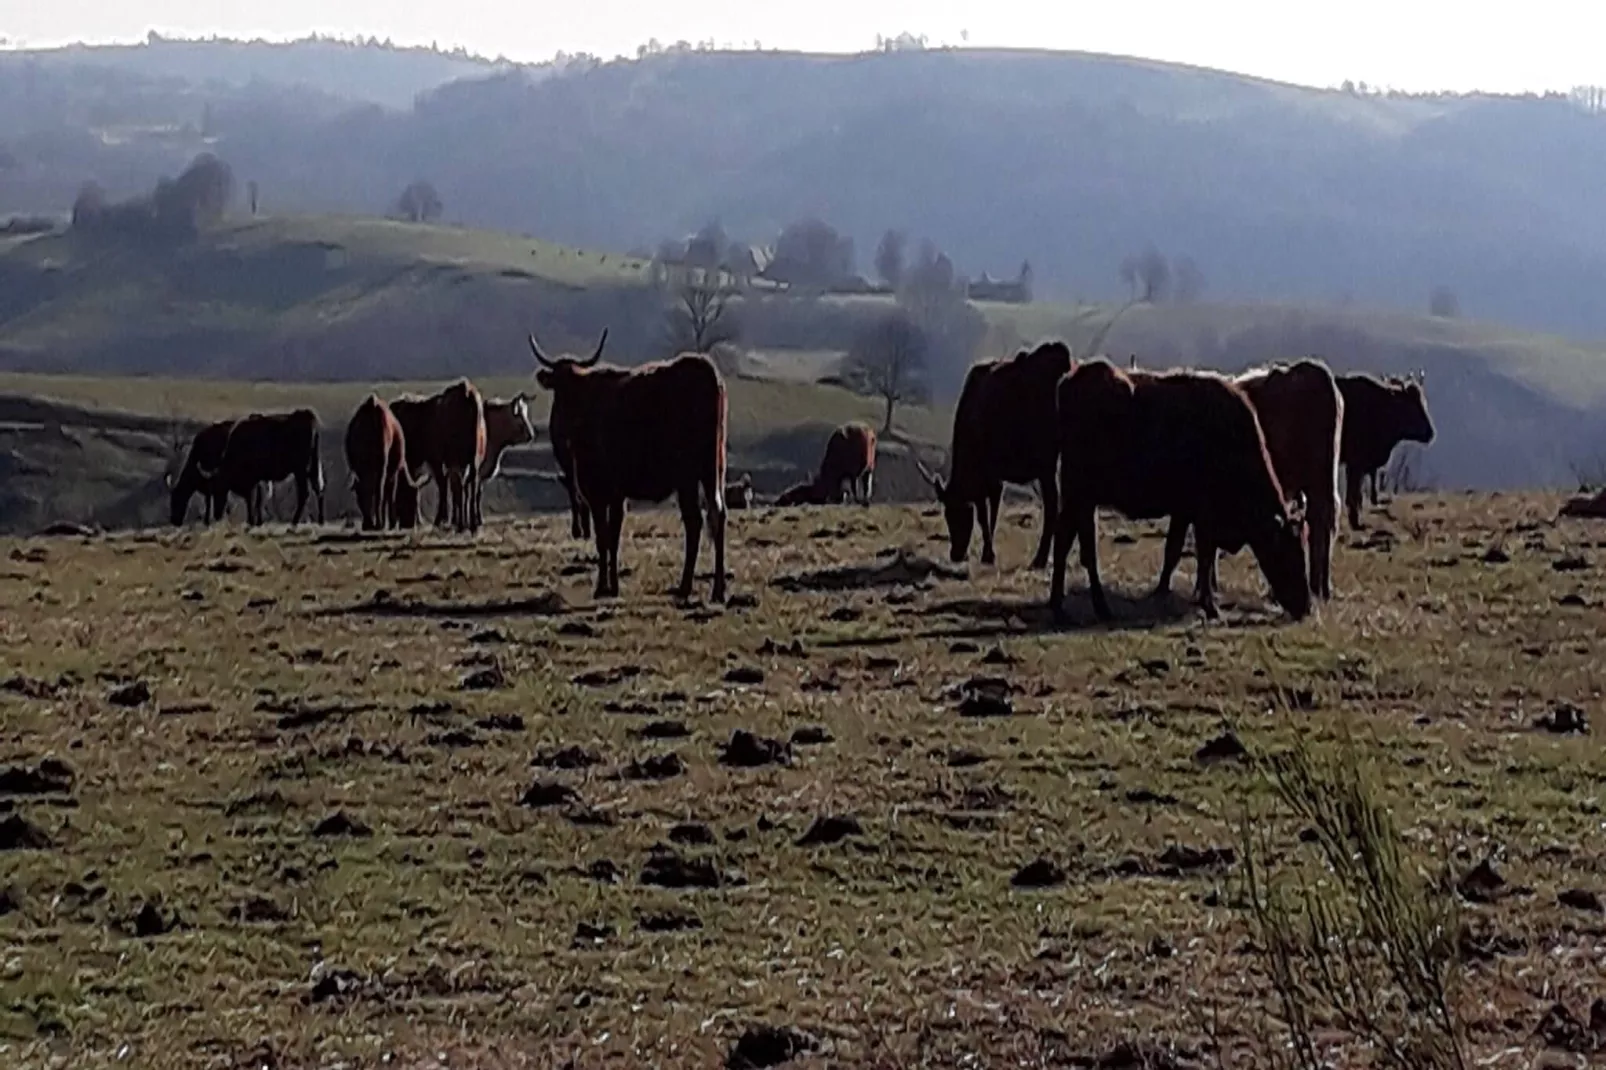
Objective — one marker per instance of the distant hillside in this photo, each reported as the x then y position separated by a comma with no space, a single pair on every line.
354,301
1071,161
358,71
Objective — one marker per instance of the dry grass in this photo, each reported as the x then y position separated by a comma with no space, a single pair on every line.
283,691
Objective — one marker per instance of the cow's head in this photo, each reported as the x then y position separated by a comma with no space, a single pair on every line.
1411,419
959,513
1279,548
555,374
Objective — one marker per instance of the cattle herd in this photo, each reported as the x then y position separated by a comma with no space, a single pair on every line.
1249,460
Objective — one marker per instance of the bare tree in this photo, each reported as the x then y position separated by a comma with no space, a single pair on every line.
700,316
251,193
889,257
888,360
419,203
1147,276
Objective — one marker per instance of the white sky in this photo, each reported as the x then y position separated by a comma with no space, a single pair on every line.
1408,44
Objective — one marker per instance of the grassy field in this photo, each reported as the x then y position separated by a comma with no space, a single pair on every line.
307,798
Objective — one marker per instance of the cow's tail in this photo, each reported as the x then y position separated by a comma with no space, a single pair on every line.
721,407
1338,439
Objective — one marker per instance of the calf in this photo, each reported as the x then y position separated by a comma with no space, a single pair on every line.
376,454
1175,444
264,449
1004,432
206,452
642,434
1301,414
1378,415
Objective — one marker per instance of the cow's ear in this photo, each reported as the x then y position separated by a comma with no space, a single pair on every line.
544,377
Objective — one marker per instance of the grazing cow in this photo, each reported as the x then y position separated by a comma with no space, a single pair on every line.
445,435
1378,415
1178,444
642,434
376,454
264,449
1004,432
206,452
739,495
1301,414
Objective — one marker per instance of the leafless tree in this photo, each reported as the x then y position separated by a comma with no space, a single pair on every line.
888,360
251,193
700,315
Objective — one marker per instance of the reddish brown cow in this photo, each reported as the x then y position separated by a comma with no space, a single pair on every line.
206,452
849,458
1301,413
376,454
1004,432
1378,415
642,434
263,449
1175,444
446,440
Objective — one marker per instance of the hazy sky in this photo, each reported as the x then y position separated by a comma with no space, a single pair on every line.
1410,44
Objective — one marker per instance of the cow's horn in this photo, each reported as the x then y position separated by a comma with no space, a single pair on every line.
601,342
931,477
541,358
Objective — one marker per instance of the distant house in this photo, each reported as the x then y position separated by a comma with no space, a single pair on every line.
1016,291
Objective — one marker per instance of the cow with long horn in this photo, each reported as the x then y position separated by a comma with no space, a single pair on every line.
642,434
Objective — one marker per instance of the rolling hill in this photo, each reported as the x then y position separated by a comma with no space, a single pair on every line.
1071,161
343,302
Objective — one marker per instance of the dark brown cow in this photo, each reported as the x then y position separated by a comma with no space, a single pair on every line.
809,492
1174,444
1378,415
1301,413
850,459
264,449
206,452
1004,432
376,454
642,434
446,442
739,495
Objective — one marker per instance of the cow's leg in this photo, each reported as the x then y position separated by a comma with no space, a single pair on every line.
600,526
1371,478
1205,552
1352,497
987,518
301,499
1045,540
616,528
1322,519
479,500
869,484
1087,532
1064,536
1176,537
443,496
691,519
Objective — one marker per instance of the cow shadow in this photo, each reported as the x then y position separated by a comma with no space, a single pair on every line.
1017,616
